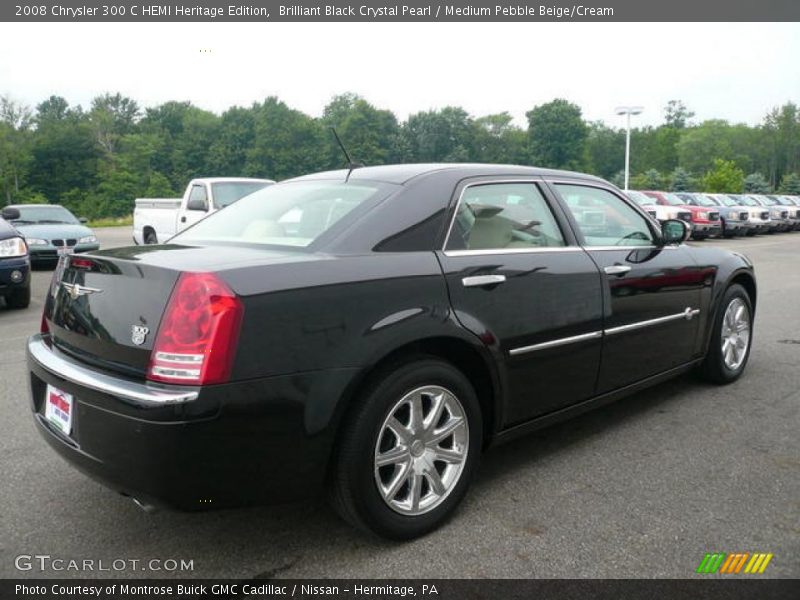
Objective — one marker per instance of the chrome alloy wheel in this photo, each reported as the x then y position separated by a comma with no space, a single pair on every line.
735,334
421,450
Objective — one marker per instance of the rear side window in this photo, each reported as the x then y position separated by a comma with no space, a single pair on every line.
604,218
503,216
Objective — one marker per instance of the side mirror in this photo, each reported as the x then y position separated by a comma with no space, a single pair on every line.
10,214
675,231
83,220
197,204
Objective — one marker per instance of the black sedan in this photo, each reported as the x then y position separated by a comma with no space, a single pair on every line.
370,332
15,264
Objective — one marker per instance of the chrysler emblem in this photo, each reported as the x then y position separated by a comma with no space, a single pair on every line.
76,290
138,334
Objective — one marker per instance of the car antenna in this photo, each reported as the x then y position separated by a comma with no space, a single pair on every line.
350,164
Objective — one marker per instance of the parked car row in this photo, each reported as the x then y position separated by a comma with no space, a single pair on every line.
723,215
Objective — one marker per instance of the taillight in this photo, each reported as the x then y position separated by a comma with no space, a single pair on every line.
43,326
196,340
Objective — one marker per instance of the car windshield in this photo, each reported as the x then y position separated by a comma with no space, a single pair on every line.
703,200
726,200
768,201
45,214
640,198
228,192
674,200
288,214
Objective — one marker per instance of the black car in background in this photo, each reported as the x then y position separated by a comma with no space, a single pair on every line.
371,332
15,265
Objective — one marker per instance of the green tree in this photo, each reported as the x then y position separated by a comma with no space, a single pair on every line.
649,180
755,183
557,134
444,135
782,132
287,142
367,132
790,185
604,150
497,140
724,178
680,180
676,114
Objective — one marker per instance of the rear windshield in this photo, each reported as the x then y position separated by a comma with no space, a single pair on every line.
228,192
287,214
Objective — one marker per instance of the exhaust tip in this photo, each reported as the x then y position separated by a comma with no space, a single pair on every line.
148,508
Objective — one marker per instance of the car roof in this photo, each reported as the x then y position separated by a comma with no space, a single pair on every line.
401,174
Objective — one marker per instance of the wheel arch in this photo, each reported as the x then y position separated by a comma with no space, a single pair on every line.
466,356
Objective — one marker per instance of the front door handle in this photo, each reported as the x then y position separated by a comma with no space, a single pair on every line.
617,270
481,280
183,219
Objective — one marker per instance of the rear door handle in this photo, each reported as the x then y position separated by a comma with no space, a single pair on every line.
481,280
617,270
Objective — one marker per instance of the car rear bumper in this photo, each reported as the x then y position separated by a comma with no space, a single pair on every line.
183,447
15,273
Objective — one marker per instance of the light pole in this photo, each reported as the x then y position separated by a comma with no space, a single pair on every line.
628,111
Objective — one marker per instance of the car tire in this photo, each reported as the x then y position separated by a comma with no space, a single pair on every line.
150,238
19,298
723,363
369,496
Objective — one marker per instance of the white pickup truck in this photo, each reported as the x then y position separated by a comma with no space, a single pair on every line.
155,220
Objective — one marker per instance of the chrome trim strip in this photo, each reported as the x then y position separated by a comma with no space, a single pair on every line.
481,280
77,374
688,314
491,251
554,343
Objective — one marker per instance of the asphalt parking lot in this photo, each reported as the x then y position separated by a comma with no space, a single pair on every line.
642,488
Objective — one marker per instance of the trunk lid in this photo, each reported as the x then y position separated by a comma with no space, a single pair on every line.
105,308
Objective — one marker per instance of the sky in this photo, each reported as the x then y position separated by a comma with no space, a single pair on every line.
735,71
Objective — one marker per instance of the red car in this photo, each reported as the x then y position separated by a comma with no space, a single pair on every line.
705,222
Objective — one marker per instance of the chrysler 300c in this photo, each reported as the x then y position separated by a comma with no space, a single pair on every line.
369,333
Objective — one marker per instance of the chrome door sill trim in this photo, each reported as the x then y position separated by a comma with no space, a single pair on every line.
688,314
555,343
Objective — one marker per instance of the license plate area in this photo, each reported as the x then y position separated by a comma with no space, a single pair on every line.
59,409
64,251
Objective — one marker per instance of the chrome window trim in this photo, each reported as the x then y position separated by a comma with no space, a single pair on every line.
138,393
490,251
555,343
533,180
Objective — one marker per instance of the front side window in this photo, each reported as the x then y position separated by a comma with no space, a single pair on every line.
290,214
604,218
503,216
